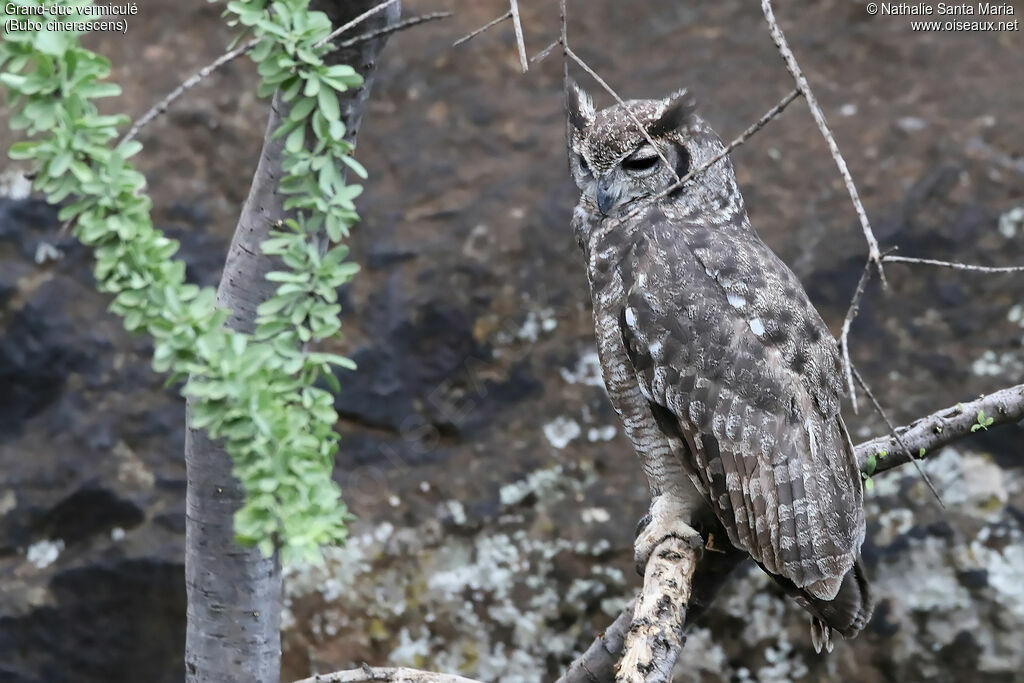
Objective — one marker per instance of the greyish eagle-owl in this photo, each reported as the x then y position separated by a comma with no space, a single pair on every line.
726,379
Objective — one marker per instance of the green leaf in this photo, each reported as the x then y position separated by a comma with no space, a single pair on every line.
60,164
295,139
301,109
51,43
355,166
329,105
312,88
869,466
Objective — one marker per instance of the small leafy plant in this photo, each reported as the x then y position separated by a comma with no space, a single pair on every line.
256,392
870,465
983,422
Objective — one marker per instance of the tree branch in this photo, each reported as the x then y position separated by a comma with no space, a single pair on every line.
656,636
953,264
897,438
473,34
597,664
524,63
388,30
192,81
392,675
941,428
355,22
542,55
844,335
819,118
195,79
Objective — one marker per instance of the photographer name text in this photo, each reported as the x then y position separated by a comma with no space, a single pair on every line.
922,9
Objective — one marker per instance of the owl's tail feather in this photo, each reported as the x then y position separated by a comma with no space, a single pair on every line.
848,612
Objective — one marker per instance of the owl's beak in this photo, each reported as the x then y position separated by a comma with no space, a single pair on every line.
606,197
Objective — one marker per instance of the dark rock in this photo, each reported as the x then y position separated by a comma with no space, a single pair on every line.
110,622
37,352
87,512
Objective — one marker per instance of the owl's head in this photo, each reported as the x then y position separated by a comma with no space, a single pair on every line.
612,161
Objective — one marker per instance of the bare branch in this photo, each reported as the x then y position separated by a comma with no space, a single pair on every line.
851,312
844,335
520,43
392,675
819,118
597,664
593,74
394,28
953,264
897,438
564,39
927,434
355,22
489,24
542,55
656,636
164,104
191,82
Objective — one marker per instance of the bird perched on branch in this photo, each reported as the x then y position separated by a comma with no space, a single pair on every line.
725,377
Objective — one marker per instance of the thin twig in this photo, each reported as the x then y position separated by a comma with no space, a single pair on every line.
844,336
953,264
520,42
164,104
742,138
355,22
542,55
394,28
643,130
564,40
819,118
896,437
489,24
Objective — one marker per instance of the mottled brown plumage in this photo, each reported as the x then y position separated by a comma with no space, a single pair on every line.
726,378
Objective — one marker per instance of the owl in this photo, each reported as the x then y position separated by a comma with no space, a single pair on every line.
724,375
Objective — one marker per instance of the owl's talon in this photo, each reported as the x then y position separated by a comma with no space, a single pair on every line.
666,519
642,524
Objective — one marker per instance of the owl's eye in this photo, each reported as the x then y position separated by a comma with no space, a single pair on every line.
640,163
584,168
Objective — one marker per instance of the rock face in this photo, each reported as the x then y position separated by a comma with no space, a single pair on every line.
496,493
92,495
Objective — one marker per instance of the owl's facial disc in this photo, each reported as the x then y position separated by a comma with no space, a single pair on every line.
629,152
639,175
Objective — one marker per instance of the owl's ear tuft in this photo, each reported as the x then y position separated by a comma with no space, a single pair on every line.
679,109
579,107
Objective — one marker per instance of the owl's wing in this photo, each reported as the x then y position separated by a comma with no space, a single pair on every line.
724,340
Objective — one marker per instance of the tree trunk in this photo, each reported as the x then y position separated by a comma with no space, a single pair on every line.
234,593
